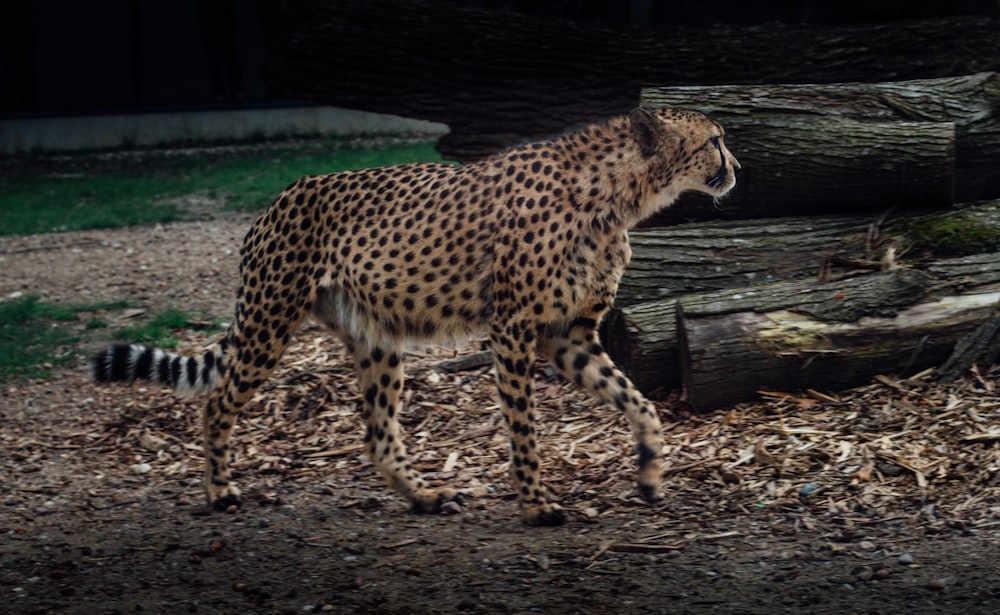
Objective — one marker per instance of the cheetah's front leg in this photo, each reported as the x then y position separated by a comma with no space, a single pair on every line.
514,356
577,353
380,373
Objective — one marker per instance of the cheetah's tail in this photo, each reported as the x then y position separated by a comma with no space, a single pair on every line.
188,376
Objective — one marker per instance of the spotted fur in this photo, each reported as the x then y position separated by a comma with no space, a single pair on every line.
526,247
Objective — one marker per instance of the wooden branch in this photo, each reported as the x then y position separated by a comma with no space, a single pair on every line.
465,363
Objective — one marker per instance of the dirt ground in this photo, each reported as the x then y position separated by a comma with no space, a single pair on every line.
879,500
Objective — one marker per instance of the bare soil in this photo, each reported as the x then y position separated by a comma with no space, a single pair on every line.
882,499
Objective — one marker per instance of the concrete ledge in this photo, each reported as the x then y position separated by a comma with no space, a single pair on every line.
151,129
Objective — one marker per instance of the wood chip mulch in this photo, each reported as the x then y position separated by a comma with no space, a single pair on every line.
913,452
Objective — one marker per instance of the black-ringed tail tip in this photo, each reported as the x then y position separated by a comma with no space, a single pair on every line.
127,363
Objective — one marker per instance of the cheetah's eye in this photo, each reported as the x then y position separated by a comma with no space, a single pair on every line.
715,141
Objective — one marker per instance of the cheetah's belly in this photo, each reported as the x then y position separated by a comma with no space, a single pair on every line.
407,311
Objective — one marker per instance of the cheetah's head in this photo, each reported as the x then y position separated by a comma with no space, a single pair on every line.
684,151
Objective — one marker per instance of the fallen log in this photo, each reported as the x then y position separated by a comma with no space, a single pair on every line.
646,339
671,261
838,165
981,346
699,257
725,358
664,344
769,126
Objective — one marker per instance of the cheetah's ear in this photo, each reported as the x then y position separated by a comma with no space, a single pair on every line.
648,131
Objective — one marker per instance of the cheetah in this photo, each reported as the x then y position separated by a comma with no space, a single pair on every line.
525,248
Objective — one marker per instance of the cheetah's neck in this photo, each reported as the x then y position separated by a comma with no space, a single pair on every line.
606,177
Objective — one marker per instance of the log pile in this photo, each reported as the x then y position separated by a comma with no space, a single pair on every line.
729,307
498,77
726,308
822,303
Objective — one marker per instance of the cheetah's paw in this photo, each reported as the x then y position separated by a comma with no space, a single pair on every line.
223,498
543,514
431,500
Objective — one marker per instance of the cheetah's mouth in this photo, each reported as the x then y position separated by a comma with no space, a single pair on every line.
722,181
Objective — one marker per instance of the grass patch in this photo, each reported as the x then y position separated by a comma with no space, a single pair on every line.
148,191
48,204
36,337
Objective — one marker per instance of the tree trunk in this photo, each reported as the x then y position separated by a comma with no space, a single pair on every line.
497,77
971,103
673,262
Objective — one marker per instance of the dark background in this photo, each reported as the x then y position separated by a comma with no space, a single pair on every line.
60,57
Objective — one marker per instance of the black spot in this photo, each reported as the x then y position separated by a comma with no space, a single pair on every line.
370,394
646,455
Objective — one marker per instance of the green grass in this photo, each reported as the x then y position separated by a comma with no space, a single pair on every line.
83,199
43,205
35,336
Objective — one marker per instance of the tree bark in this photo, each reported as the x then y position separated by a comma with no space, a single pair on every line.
971,103
498,77
981,346
689,258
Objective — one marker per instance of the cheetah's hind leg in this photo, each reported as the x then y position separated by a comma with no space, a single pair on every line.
380,372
